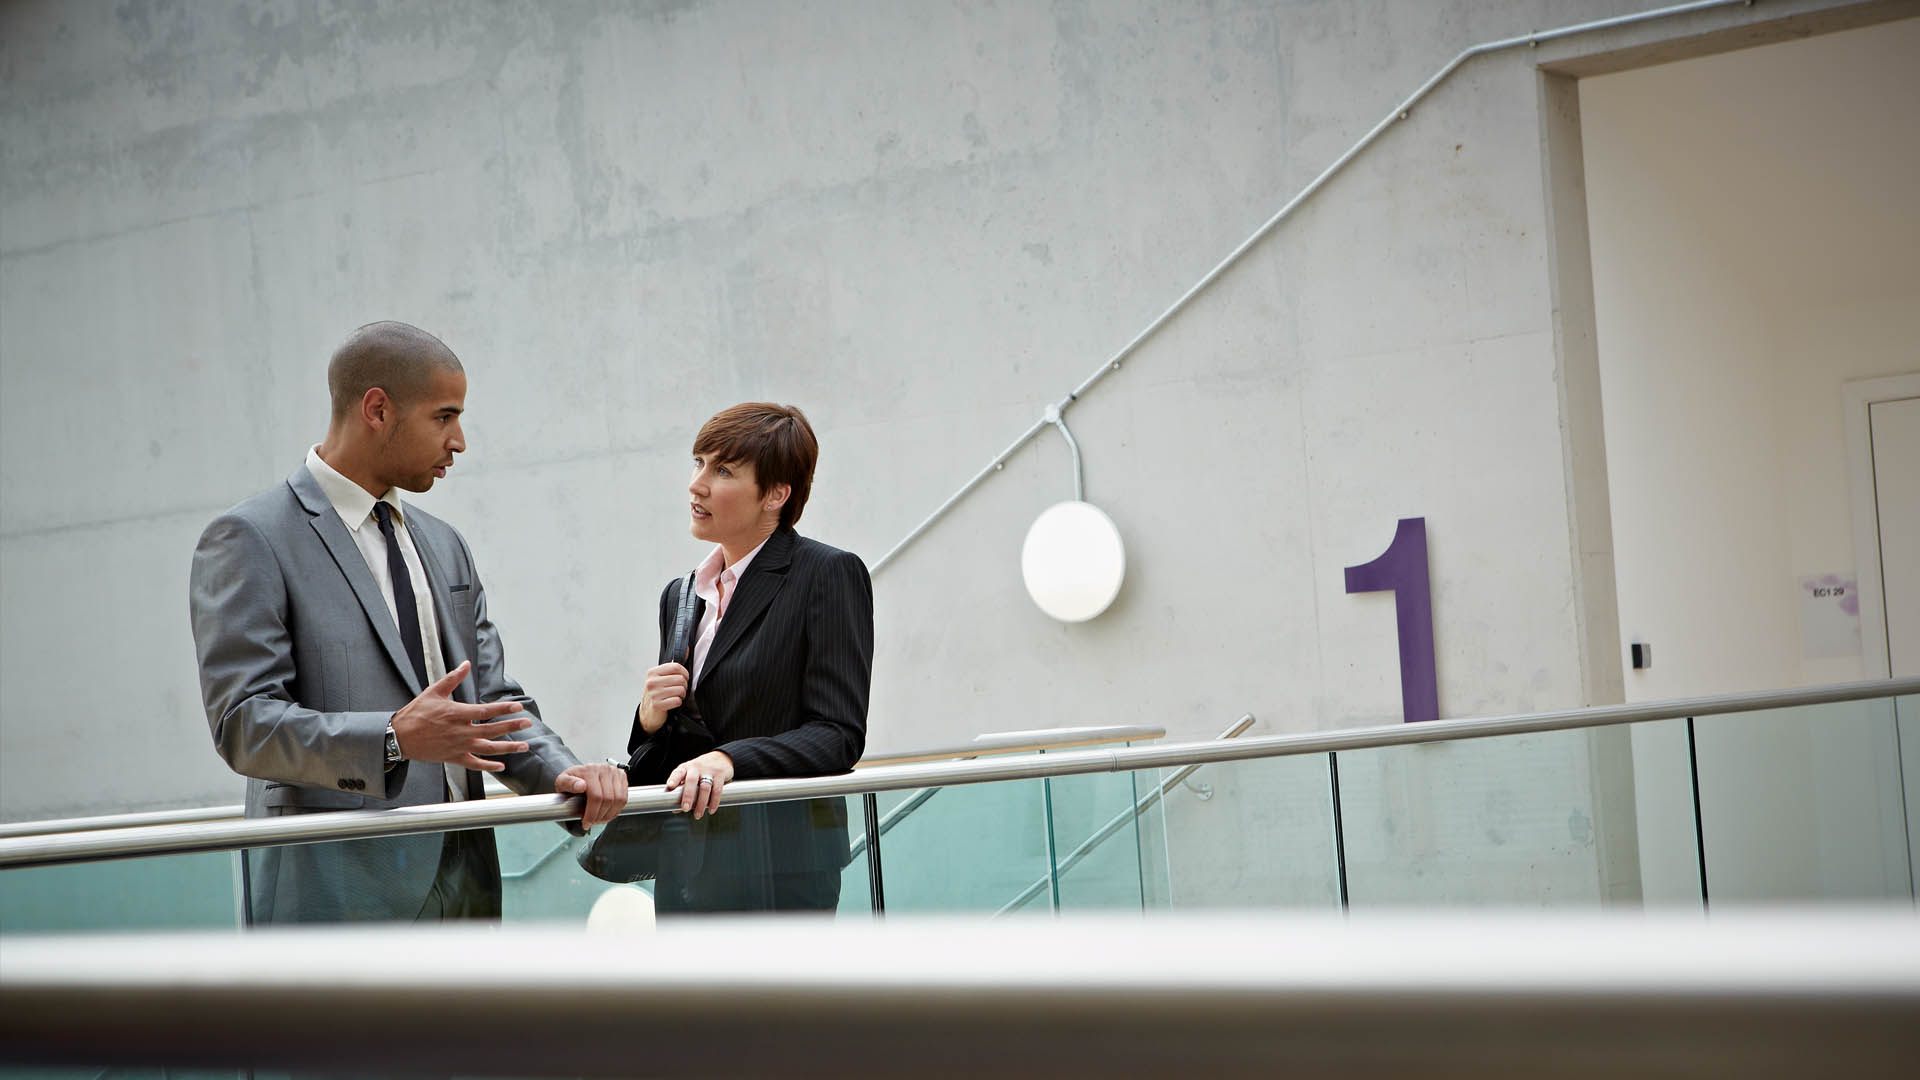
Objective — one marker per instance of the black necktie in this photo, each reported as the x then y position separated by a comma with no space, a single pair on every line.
407,614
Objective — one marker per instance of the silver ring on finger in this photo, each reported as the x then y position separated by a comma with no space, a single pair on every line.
706,779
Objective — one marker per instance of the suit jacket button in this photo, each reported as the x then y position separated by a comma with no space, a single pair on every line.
345,784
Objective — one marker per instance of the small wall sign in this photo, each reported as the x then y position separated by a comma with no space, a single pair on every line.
1829,616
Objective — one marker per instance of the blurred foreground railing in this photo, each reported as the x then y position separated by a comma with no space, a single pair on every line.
1834,992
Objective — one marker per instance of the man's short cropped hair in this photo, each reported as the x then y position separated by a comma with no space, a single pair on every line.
775,439
393,356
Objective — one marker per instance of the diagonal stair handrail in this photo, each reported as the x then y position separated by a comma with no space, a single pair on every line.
1119,821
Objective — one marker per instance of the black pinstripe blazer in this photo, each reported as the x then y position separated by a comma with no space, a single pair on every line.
785,685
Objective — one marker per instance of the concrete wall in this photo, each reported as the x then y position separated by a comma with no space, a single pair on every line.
922,223
1754,248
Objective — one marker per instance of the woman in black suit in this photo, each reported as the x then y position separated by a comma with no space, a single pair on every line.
779,673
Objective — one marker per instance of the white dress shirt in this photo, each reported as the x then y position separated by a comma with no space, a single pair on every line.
355,506
715,583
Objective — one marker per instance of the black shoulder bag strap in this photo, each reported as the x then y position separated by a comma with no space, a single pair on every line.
685,624
630,847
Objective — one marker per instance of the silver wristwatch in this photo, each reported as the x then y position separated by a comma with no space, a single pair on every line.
393,747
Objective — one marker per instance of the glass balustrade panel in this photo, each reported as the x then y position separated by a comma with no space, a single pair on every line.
794,857
1521,820
171,892
1806,804
1907,730
1102,840
1798,804
1660,786
776,857
1245,834
542,880
856,883
1249,834
968,848
1156,868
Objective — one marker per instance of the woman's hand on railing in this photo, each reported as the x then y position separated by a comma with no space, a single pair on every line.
702,780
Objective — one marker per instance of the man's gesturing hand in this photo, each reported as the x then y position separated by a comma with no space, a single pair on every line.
434,727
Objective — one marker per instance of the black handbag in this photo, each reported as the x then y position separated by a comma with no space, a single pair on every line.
630,848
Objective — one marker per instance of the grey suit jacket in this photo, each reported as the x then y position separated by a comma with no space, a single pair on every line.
301,668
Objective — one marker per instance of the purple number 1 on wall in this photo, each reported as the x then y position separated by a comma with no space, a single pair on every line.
1402,570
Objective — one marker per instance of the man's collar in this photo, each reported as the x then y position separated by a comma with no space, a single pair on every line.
351,501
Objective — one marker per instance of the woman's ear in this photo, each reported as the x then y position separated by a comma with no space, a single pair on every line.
777,497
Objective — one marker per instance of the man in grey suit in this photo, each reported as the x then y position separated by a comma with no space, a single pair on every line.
347,660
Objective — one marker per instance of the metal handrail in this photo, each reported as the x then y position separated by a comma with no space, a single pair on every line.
993,742
49,826
1015,742
356,824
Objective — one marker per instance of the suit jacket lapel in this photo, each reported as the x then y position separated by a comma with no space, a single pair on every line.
452,644
765,575
452,640
346,554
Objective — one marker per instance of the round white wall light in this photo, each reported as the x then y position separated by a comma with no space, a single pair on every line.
1073,561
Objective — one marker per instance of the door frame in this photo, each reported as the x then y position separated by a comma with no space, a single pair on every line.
1857,396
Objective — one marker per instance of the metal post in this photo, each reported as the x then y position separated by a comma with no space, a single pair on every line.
1139,842
1699,831
875,889
1053,855
1339,830
246,890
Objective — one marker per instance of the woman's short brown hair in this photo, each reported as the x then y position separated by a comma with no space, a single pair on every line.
775,439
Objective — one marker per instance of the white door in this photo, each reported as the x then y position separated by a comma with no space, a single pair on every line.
1894,427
